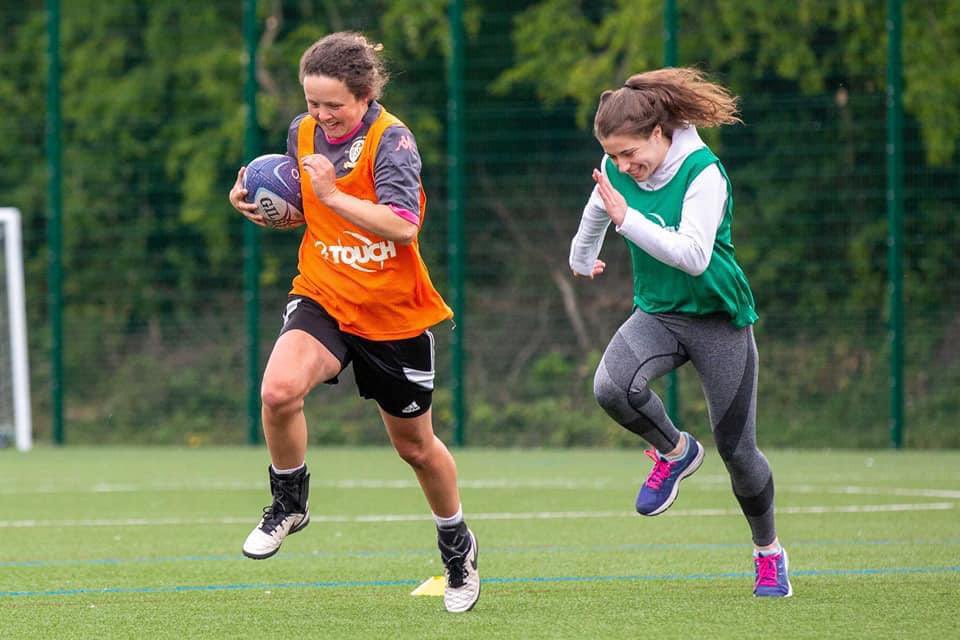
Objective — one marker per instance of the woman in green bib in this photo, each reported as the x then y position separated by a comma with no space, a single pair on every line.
670,198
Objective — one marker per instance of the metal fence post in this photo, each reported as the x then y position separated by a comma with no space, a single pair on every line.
895,218
251,236
55,222
670,60
455,241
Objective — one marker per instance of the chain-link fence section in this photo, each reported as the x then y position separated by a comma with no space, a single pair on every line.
152,137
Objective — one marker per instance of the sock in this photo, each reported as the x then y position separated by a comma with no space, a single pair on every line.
769,552
287,472
451,522
452,534
686,447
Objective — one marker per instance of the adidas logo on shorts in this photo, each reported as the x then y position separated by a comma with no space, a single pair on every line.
410,408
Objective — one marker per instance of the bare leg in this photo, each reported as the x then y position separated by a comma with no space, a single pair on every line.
297,364
414,440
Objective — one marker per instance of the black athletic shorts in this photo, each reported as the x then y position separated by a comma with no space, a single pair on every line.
398,374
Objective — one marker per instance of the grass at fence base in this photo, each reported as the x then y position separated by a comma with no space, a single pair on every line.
829,391
135,543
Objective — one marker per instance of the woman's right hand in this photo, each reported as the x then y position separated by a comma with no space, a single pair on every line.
598,268
248,209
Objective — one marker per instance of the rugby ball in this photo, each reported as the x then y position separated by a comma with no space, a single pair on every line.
272,182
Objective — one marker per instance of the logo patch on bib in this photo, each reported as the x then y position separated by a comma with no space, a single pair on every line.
354,153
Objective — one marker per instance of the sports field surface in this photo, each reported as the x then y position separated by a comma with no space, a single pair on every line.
145,543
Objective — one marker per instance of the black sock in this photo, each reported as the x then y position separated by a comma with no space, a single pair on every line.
454,538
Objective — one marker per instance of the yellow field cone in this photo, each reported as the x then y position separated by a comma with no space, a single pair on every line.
430,587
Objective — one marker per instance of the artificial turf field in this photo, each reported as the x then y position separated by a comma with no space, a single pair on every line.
145,543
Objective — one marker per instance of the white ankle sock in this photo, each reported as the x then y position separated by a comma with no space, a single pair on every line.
769,552
286,472
686,447
452,521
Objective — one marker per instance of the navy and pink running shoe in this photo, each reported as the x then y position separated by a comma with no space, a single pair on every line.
772,578
661,487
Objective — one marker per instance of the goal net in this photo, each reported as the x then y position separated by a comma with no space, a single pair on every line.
15,421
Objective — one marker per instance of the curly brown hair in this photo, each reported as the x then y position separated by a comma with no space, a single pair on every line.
671,98
350,58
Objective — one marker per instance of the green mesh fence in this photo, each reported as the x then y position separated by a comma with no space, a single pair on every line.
152,97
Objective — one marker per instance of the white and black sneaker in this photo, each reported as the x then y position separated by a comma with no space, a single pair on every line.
287,514
458,550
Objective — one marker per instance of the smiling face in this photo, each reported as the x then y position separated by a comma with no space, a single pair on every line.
332,105
635,155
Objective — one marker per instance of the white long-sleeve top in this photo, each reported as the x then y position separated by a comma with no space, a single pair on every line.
689,247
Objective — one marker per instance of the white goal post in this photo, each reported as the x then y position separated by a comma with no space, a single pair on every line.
14,367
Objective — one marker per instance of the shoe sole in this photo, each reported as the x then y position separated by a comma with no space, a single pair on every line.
476,562
689,471
264,556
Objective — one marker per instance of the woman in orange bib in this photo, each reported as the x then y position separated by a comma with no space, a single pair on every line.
362,295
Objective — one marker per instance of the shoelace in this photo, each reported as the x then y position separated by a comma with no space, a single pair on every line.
661,469
273,515
766,571
456,571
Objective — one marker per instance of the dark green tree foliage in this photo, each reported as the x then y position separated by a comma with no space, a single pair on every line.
153,120
809,173
22,95
152,136
809,164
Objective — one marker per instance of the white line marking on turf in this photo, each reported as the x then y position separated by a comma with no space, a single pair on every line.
534,515
948,494
558,483
329,484
881,491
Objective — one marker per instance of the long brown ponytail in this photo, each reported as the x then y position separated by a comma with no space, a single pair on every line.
670,98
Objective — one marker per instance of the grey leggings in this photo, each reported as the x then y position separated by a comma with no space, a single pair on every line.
646,347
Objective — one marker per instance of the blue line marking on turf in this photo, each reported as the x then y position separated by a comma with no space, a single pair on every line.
217,587
340,584
301,555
